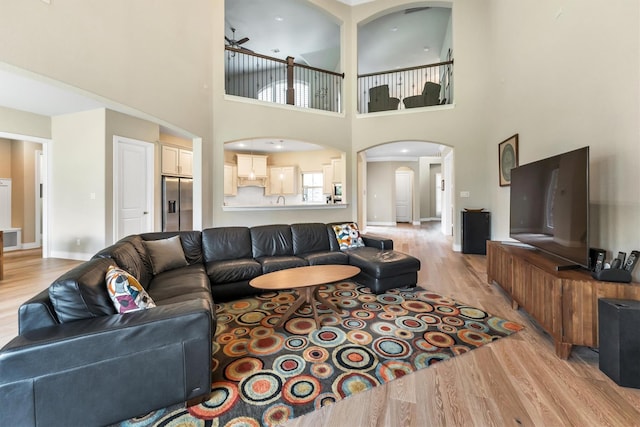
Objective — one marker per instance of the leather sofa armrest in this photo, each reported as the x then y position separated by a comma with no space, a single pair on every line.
377,242
162,355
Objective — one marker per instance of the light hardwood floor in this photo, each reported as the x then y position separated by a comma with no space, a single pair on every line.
516,381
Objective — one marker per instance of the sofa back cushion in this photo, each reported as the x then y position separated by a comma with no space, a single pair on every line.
271,240
131,255
309,237
81,293
191,243
225,243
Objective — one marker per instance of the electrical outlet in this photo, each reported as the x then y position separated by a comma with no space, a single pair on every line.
465,194
77,242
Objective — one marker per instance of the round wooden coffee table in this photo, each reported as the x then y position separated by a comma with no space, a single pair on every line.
306,279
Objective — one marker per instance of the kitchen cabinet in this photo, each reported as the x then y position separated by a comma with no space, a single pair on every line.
251,162
230,180
177,161
338,170
283,180
327,179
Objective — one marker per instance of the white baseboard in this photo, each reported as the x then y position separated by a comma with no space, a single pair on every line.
31,245
457,247
435,218
80,256
381,223
416,222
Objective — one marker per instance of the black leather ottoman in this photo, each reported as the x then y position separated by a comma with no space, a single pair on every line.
381,270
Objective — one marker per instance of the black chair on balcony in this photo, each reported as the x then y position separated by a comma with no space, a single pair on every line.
430,96
379,99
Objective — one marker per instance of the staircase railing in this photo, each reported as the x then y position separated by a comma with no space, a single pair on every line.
253,75
407,82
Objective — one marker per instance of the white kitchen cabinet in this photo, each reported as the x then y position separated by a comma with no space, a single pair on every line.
283,180
252,162
177,161
327,179
338,170
230,180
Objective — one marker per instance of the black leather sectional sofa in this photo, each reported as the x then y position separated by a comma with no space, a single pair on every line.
77,362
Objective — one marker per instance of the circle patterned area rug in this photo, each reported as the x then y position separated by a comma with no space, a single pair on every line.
264,376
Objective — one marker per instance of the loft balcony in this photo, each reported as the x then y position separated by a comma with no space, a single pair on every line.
282,81
406,88
253,75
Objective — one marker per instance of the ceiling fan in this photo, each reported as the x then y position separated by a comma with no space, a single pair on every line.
234,43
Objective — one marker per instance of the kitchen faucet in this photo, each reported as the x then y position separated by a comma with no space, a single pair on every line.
284,201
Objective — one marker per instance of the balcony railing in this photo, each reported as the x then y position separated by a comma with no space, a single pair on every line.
252,75
406,88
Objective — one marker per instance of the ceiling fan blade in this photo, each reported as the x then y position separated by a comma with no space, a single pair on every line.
227,39
243,40
245,49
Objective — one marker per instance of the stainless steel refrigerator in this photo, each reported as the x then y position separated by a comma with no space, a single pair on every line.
177,203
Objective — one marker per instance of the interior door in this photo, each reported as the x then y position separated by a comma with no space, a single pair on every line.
404,196
133,190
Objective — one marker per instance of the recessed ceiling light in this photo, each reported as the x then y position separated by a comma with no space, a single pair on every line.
426,49
279,18
404,150
394,29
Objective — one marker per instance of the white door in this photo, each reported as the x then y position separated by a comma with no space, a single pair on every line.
133,189
404,196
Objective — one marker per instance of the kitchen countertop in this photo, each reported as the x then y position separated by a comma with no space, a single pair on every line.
231,208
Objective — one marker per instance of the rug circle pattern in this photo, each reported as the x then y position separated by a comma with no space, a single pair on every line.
265,376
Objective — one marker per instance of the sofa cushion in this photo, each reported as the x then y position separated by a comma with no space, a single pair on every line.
226,243
309,237
233,270
271,240
382,263
131,255
348,235
275,263
324,258
126,292
191,242
179,281
166,254
81,292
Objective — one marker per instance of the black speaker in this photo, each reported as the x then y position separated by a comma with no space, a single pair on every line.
476,230
618,324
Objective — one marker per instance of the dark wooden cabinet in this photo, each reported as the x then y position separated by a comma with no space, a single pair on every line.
476,230
564,303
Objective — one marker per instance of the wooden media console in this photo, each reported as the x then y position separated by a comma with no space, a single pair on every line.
564,303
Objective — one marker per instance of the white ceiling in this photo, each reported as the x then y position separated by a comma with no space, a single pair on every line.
36,96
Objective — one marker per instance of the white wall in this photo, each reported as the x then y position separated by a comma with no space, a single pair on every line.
566,75
77,188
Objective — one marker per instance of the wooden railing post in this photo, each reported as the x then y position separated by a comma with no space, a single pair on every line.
291,95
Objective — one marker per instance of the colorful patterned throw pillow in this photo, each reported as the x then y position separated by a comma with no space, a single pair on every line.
126,292
348,235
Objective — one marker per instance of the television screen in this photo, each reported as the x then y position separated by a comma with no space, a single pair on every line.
550,205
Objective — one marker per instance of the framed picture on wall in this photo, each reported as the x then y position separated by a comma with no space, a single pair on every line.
507,159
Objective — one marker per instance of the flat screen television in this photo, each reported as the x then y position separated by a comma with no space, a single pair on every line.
550,206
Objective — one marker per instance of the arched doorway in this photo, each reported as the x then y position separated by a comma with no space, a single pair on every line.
377,190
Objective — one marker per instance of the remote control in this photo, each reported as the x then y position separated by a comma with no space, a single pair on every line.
632,261
616,263
599,262
621,256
